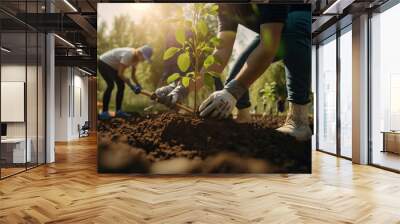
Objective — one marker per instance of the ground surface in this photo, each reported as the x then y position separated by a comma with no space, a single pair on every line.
154,144
71,191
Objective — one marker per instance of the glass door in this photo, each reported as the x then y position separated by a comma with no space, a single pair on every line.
385,89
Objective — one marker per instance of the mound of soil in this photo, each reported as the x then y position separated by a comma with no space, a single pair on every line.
204,145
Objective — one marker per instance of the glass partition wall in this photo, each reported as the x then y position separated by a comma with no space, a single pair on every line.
327,95
345,92
334,94
22,88
385,89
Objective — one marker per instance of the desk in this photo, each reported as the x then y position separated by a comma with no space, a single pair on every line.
391,141
15,148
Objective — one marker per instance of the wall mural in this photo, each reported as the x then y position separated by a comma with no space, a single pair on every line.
199,88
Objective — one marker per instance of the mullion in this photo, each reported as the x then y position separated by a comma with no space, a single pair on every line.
338,95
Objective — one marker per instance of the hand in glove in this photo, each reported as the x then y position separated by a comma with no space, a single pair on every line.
170,95
135,88
178,94
221,103
162,93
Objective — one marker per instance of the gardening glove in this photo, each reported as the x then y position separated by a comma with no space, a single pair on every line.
135,88
162,93
177,94
221,103
170,98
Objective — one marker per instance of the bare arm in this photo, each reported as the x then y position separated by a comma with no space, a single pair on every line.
121,69
260,59
133,75
223,51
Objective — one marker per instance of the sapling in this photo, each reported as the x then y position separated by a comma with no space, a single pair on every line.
197,43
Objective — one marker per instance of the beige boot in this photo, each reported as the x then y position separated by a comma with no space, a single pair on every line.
243,116
296,123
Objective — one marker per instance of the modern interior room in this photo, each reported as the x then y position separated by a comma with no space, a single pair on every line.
48,160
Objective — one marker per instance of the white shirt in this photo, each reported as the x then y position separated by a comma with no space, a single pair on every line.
118,56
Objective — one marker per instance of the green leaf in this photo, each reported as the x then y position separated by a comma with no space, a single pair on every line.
190,74
184,61
202,27
170,52
214,7
215,41
208,80
180,36
173,77
185,81
207,49
209,61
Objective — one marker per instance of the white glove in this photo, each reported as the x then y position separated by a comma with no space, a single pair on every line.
177,94
170,95
162,94
219,104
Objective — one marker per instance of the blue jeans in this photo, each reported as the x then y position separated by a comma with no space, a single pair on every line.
296,48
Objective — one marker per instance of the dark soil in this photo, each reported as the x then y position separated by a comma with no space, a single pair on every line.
174,143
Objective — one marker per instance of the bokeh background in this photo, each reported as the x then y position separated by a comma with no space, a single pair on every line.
136,24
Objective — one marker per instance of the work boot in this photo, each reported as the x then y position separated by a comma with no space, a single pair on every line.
243,116
122,114
104,115
296,123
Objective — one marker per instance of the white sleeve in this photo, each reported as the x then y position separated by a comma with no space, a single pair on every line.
126,58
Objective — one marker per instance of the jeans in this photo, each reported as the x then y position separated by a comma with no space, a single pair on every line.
110,75
296,53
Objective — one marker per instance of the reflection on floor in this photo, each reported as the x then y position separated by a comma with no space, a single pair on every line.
387,159
11,169
71,191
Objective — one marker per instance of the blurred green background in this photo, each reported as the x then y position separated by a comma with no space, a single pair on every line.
121,28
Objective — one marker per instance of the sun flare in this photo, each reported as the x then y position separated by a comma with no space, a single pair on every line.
141,6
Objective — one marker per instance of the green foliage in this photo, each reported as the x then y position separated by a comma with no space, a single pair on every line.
185,81
180,36
173,77
210,60
202,28
170,52
208,80
197,49
270,88
269,93
184,61
123,31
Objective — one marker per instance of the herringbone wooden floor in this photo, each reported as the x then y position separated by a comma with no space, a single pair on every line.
71,191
